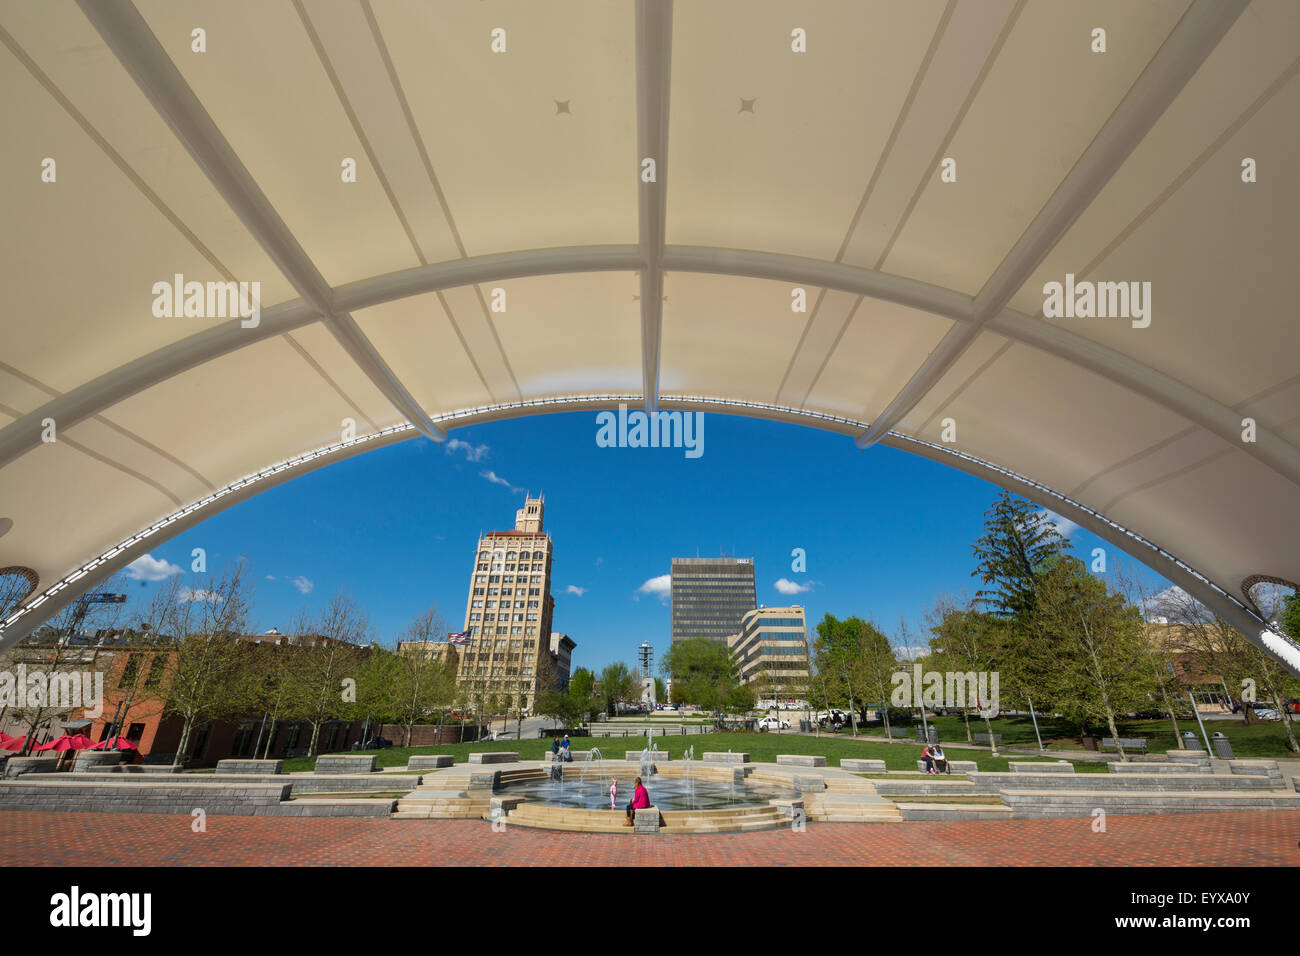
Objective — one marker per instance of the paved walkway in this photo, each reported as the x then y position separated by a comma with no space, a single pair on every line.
1220,839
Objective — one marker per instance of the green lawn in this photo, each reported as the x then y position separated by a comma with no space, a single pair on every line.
1256,740
760,747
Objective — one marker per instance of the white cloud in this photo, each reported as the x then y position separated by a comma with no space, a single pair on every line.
303,585
270,577
148,568
786,586
202,594
472,452
496,479
574,589
1064,526
660,587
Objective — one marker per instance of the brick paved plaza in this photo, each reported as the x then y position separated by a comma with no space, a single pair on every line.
1222,839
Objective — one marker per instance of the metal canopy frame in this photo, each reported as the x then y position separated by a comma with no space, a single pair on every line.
1198,32
143,57
102,393
1236,612
1183,52
654,42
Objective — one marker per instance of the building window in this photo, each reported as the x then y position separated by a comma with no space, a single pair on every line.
130,672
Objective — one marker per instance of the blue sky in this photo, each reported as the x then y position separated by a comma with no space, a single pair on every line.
885,532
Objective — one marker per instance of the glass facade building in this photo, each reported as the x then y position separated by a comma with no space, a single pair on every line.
709,596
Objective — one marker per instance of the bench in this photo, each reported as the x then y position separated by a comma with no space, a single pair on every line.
801,760
862,766
1040,766
984,738
429,761
655,755
958,766
88,761
250,766
712,757
346,763
1129,743
494,756
809,784
647,820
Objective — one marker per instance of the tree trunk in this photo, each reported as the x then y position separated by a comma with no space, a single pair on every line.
1114,732
315,736
965,716
1286,722
179,759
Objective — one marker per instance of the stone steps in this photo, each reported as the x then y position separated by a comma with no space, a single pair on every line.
1052,802
729,820
1120,782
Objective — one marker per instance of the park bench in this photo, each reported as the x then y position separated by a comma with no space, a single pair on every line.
984,738
1130,743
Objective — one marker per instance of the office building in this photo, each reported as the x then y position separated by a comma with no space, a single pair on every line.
773,643
508,611
709,596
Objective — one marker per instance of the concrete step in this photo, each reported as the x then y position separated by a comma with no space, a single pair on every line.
1120,782
1084,802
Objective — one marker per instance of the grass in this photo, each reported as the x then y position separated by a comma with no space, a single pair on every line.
1256,740
762,748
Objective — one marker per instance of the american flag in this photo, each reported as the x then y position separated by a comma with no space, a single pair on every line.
459,638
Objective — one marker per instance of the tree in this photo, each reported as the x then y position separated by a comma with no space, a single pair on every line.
582,697
837,653
418,676
1289,619
1019,545
331,657
1099,645
966,640
740,699
1213,648
212,676
874,667
616,684
703,672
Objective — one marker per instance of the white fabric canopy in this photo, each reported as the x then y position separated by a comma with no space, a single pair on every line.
795,146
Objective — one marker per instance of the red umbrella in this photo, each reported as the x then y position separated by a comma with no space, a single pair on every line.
67,742
115,743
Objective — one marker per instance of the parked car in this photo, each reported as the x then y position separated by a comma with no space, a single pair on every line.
1267,713
773,723
376,743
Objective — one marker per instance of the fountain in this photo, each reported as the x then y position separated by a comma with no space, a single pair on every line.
594,761
688,773
646,761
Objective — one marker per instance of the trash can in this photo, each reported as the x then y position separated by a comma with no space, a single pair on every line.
1222,745
920,734
934,736
805,726
1191,741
